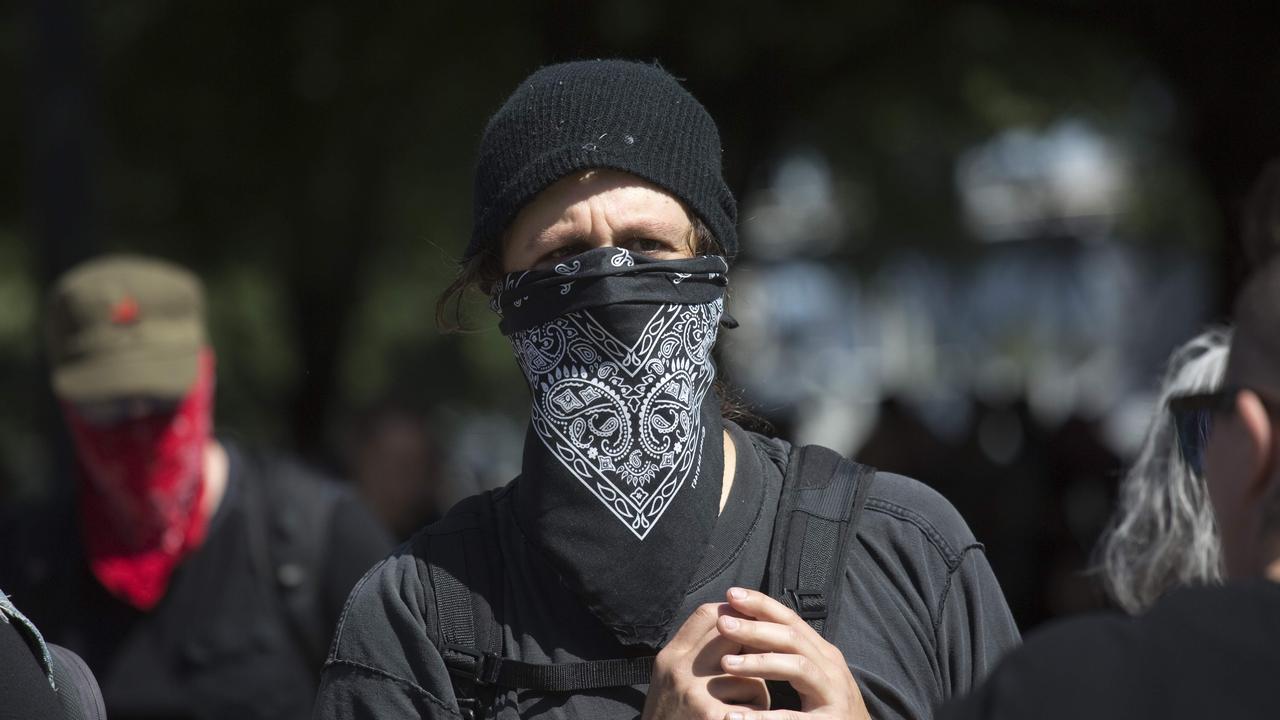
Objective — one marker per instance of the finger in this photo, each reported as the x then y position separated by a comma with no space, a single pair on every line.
768,636
806,677
762,607
741,691
714,645
700,622
707,658
766,715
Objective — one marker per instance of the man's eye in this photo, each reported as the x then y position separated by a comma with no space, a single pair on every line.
559,253
648,245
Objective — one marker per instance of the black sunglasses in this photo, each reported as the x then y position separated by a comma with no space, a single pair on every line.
1193,421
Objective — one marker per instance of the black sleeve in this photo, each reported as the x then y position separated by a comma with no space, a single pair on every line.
975,626
356,540
1064,671
382,665
922,617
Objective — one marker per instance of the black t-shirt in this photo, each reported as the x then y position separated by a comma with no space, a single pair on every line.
220,644
920,620
1210,652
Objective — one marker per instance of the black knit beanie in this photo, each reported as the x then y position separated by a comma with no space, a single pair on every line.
615,114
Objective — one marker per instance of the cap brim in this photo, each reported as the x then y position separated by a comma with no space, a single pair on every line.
146,374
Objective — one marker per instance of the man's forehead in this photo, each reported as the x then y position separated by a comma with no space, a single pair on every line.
631,204
631,224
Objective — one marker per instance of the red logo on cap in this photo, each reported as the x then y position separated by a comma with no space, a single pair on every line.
125,311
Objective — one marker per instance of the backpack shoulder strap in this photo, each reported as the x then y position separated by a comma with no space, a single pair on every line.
822,497
823,494
466,570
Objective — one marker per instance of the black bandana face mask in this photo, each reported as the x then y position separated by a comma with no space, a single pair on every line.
624,457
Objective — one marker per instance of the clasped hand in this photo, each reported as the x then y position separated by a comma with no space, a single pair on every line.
716,665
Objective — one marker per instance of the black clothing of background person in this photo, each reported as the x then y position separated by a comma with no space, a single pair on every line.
223,642
1207,652
921,617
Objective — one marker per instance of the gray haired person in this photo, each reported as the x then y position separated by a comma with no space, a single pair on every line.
1197,652
1163,534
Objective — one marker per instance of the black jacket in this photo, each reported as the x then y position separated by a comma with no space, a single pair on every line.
921,617
1209,652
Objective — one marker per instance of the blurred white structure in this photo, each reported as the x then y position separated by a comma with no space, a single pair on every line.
1068,180
1054,311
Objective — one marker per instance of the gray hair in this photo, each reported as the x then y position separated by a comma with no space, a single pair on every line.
1163,533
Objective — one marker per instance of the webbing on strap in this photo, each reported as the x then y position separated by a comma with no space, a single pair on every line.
822,497
494,670
453,601
829,512
465,567
466,574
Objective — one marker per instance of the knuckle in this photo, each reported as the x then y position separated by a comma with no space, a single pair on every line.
793,637
805,666
668,667
707,611
835,654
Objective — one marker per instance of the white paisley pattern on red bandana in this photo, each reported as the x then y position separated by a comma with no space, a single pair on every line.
624,419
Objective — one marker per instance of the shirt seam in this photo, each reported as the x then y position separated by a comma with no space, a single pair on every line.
949,554
386,675
346,607
946,589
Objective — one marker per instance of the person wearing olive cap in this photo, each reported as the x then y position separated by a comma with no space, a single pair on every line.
197,578
653,557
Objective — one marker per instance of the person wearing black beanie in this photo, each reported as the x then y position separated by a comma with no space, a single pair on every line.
611,114
653,557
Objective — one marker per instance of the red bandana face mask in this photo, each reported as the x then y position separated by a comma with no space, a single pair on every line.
141,485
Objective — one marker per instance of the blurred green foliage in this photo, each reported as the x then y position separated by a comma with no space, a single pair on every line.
312,161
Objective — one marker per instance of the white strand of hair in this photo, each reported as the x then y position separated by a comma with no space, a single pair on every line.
1163,534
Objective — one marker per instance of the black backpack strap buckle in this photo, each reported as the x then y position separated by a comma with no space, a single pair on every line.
808,605
469,708
466,663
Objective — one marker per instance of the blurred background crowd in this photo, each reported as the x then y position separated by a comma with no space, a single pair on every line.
972,231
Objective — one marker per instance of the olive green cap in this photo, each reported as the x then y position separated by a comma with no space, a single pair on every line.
125,326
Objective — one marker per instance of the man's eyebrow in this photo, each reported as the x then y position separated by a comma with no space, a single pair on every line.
642,226
557,235
638,227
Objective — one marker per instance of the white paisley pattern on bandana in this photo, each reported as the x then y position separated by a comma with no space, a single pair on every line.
625,420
